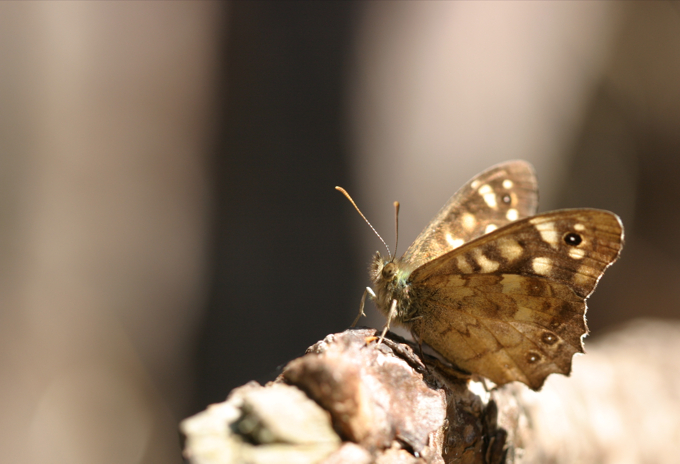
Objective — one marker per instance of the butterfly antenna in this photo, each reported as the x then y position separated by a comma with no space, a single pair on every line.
396,226
344,192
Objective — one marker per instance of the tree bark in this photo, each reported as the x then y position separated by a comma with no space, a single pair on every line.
351,400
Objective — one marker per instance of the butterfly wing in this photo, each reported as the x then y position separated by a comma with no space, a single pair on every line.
501,194
510,305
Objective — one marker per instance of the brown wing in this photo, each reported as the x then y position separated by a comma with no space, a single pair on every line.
501,194
510,305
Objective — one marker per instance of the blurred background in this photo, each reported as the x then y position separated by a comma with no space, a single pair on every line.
168,224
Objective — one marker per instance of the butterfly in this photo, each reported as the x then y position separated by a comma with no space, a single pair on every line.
494,288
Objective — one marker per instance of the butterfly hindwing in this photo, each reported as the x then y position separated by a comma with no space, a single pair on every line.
505,327
501,194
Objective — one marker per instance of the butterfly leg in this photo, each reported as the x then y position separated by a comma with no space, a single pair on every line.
391,315
368,291
417,339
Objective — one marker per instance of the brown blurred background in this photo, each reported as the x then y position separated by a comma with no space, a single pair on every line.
168,224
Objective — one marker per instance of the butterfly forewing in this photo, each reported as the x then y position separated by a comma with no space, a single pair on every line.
510,304
500,195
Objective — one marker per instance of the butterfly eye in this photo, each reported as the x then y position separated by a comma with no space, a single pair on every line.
572,239
388,271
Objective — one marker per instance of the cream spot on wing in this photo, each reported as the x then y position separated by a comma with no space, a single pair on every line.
462,290
485,263
548,232
579,227
582,276
490,228
489,196
484,189
512,214
523,313
512,284
454,242
509,248
463,265
474,184
490,199
469,221
507,183
577,253
456,280
542,266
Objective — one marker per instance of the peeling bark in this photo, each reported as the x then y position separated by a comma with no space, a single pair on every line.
350,400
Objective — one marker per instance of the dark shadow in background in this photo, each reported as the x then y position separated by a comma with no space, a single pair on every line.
282,253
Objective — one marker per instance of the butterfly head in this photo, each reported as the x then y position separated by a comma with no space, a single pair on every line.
388,274
390,280
382,268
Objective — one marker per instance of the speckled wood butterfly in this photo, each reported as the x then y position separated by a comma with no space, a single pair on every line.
495,289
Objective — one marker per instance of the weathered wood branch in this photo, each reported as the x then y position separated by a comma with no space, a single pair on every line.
349,401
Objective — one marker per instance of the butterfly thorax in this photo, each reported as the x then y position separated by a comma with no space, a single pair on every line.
391,281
